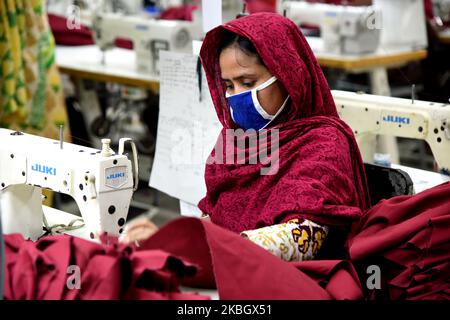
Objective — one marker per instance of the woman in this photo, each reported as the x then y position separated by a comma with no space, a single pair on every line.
262,74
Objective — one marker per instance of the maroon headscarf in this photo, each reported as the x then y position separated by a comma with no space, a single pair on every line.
321,174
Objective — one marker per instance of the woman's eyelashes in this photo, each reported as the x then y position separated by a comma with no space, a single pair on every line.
244,85
248,85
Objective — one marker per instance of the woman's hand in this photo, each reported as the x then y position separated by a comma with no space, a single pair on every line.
137,230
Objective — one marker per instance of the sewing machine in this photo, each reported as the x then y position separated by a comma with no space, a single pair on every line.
403,24
148,36
371,114
126,6
344,29
100,181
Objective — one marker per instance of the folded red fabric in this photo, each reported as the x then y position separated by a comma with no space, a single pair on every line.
408,238
43,270
81,35
254,6
183,12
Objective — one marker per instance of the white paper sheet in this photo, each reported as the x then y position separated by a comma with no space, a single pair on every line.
189,210
187,129
196,46
212,14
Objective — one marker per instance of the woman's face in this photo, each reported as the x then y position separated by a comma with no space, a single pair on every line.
242,72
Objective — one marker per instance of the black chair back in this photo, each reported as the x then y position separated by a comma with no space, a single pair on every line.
385,182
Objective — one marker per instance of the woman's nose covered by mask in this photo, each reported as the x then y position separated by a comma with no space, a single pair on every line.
246,110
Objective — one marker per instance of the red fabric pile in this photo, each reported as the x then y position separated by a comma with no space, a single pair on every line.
76,36
254,6
47,269
183,12
408,238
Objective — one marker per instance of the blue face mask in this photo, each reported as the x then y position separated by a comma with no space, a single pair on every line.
246,110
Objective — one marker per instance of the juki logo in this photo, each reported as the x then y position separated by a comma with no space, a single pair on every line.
141,27
396,119
116,175
44,169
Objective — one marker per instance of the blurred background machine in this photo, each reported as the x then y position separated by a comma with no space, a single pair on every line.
124,118
344,29
85,10
403,24
148,36
363,29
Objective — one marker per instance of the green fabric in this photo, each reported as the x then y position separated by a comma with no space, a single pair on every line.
27,64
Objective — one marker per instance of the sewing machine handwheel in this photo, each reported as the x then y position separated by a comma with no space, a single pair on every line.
147,145
101,126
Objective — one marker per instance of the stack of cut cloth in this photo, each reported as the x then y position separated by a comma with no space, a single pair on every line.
65,268
408,238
